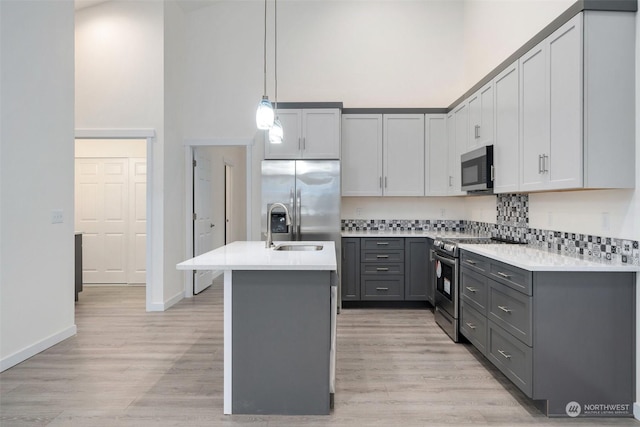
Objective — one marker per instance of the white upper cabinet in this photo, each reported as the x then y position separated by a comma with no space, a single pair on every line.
458,137
436,155
506,158
383,155
403,150
576,106
481,112
361,155
308,134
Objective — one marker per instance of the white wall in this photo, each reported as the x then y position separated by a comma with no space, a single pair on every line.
495,29
120,80
36,176
404,208
392,54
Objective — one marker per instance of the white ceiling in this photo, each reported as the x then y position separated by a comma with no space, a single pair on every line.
185,5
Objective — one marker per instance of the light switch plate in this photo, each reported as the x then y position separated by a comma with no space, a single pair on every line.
57,216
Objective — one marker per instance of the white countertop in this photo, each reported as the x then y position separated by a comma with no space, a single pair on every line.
410,233
254,256
534,259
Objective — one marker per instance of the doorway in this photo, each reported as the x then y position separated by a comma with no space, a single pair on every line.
110,210
218,207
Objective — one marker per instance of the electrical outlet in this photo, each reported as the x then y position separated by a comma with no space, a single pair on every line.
442,213
358,212
57,216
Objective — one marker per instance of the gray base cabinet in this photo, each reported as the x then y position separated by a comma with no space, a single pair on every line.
350,275
385,269
560,337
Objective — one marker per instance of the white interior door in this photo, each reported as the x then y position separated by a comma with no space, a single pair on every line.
228,205
203,217
137,271
101,189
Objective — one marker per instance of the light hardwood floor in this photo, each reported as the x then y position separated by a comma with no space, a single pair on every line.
127,367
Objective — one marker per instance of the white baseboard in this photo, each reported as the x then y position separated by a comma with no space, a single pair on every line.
32,350
167,304
636,410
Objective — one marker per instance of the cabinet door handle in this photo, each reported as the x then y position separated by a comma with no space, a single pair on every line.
477,131
382,269
299,143
504,354
505,275
385,182
468,261
382,256
493,173
472,290
545,163
505,309
380,184
471,325
382,289
539,163
450,181
382,243
304,144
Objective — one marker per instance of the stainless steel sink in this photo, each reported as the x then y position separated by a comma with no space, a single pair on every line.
286,247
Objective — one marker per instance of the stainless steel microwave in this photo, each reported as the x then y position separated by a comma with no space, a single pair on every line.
477,170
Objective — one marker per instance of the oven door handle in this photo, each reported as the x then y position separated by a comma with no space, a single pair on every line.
445,260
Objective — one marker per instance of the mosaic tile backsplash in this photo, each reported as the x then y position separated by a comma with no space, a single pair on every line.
512,222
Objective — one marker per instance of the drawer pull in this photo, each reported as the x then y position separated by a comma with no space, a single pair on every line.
382,269
470,289
382,256
382,289
471,325
382,243
505,309
470,262
505,275
504,354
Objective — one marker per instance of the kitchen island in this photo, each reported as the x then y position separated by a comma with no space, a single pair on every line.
279,326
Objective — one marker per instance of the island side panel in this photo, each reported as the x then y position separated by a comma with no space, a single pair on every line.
584,341
281,342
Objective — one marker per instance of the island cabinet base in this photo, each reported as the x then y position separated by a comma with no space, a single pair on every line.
280,343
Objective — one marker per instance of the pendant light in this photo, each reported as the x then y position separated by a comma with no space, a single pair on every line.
264,114
276,133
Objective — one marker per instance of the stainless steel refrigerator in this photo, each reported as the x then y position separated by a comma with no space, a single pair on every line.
311,191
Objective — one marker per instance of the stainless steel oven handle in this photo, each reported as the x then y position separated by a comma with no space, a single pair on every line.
445,260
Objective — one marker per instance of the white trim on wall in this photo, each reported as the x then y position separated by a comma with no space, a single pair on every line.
189,145
33,349
150,136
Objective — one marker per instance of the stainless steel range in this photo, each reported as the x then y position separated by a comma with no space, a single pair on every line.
446,265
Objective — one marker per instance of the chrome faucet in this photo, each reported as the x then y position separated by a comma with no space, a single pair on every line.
269,241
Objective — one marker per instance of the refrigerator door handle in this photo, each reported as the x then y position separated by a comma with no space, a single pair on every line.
298,214
294,215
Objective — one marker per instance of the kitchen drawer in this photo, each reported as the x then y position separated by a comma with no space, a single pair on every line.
473,325
514,277
385,256
377,287
512,310
511,356
369,243
474,288
478,263
382,268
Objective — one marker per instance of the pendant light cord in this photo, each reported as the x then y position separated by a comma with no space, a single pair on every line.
275,62
265,48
